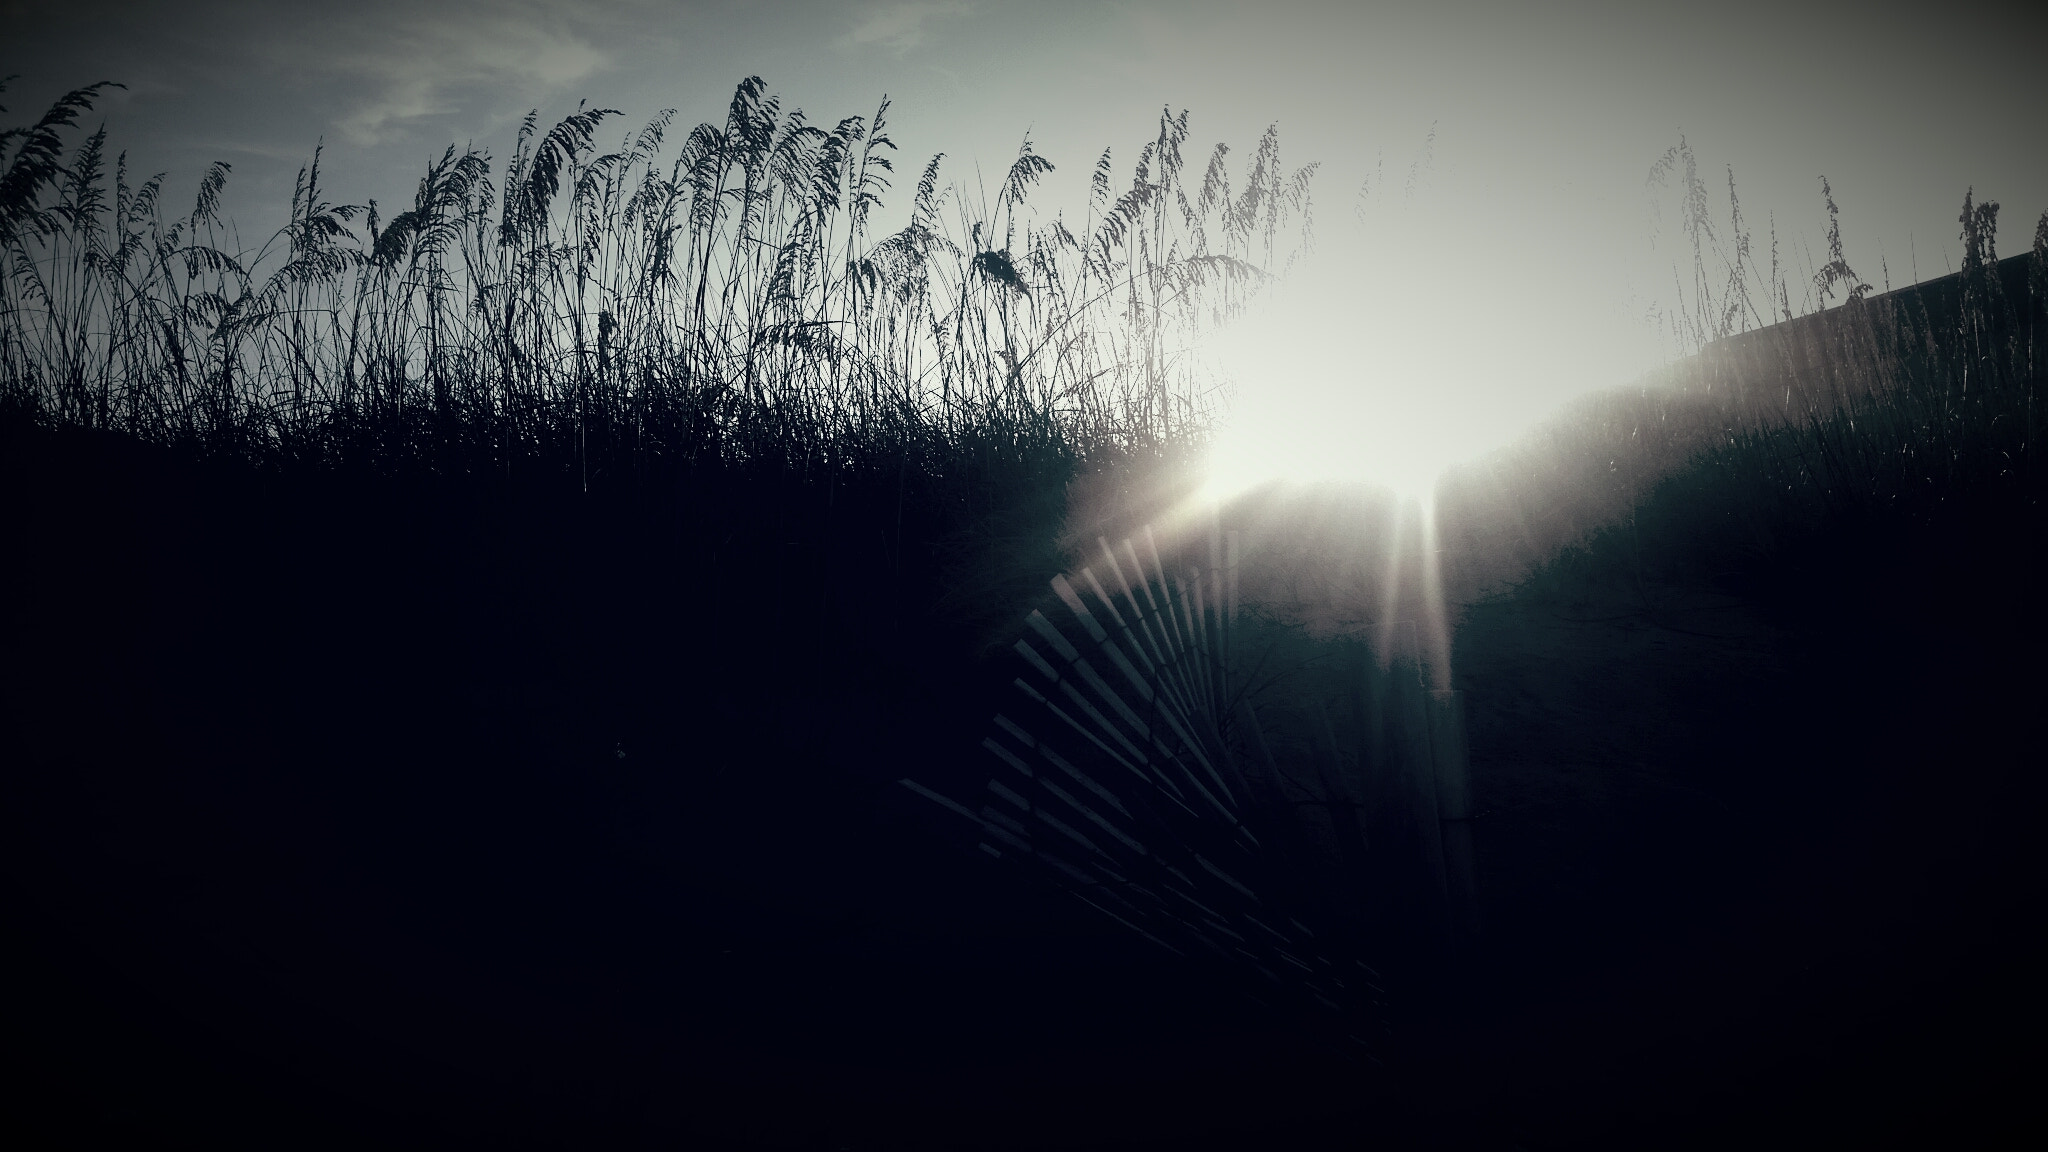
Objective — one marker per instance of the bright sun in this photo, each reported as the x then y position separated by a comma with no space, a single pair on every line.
1324,426
1382,397
1396,352
1329,392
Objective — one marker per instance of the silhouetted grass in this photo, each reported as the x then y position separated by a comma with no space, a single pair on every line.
712,326
1889,430
727,296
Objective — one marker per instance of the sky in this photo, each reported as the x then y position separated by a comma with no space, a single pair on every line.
1500,262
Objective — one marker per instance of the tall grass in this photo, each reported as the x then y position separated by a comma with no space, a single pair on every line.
1800,408
1883,398
723,293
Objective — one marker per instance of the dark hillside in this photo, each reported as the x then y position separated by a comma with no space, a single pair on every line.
409,813
1762,756
1750,875
405,813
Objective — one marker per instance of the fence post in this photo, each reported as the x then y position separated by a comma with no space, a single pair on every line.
1454,809
1424,889
1232,546
1353,842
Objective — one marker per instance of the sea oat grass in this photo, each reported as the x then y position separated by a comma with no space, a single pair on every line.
1910,413
728,296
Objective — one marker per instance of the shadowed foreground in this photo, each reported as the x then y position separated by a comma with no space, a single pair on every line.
368,819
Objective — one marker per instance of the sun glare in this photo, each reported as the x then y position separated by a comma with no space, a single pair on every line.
1329,425
1396,352
1321,400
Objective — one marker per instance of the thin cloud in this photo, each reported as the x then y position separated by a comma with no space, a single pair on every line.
428,64
376,69
901,27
